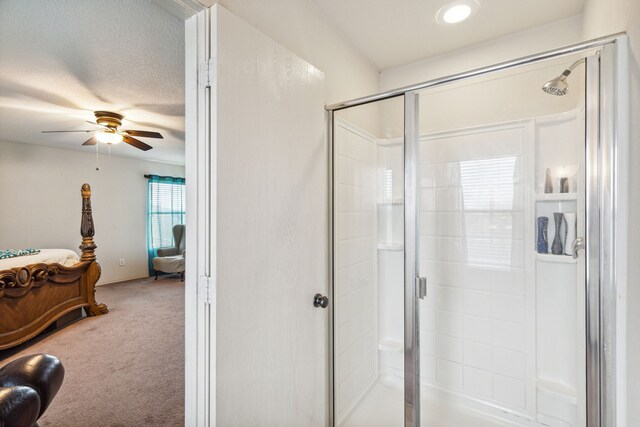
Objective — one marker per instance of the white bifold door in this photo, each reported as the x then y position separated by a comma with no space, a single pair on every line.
259,158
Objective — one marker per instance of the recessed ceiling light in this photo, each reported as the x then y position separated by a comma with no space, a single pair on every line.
456,11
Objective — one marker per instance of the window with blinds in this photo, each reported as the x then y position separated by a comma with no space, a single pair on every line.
489,195
166,208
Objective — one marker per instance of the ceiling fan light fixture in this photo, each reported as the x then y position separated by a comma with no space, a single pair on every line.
110,132
109,137
456,11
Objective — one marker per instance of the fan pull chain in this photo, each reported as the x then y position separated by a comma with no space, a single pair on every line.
97,157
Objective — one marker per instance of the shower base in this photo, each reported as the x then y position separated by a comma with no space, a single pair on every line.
383,406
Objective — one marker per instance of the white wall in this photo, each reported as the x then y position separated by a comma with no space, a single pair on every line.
40,189
550,36
302,28
603,17
463,104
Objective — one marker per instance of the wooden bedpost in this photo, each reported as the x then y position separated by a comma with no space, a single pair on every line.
88,248
87,231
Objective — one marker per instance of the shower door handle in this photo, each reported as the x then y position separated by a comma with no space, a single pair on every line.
576,246
421,287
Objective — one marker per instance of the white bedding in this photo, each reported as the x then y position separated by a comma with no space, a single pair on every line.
65,257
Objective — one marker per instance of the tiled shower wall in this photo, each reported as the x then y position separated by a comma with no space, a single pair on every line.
473,323
356,329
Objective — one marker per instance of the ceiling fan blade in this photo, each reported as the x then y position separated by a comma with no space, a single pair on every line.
91,141
136,143
58,131
143,133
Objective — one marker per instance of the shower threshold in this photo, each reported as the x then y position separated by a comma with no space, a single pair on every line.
383,406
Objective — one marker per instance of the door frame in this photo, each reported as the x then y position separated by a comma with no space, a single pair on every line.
606,229
200,164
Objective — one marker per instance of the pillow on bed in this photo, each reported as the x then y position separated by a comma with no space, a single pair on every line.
12,253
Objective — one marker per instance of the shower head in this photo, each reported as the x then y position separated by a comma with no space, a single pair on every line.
559,85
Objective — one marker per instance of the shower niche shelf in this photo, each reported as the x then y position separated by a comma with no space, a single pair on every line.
557,197
562,259
396,247
390,346
389,202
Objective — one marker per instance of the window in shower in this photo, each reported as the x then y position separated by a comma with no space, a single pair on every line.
488,192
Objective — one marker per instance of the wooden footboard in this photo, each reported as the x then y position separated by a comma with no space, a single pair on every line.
35,296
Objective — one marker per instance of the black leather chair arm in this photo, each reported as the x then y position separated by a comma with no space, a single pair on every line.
41,373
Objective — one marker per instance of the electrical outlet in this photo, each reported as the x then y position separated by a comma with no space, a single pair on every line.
121,262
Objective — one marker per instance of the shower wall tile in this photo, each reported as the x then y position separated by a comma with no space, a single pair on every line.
509,335
428,367
478,279
427,178
477,303
428,320
509,363
509,390
428,344
508,307
477,329
427,200
447,298
477,382
449,323
449,374
509,281
478,355
447,199
449,348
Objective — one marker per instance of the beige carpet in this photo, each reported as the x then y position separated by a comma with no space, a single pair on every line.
125,368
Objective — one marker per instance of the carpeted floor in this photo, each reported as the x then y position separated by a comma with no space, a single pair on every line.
125,368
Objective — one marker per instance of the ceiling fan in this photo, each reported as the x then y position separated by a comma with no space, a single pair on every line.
111,132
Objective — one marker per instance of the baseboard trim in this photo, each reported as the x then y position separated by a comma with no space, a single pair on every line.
122,280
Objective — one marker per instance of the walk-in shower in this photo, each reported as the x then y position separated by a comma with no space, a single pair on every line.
461,291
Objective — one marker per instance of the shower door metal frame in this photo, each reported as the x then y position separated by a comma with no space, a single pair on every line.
606,145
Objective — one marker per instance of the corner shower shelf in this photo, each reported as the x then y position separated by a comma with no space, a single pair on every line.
558,390
390,246
563,259
390,346
557,197
385,202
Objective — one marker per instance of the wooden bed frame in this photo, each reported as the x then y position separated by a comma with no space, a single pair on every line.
38,296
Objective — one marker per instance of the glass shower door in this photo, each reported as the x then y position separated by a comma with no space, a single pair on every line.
368,264
502,201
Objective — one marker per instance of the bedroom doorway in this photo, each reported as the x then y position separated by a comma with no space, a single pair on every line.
93,93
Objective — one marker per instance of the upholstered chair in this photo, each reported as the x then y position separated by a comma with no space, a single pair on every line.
27,387
171,260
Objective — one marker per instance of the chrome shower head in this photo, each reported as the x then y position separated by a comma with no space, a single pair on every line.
559,85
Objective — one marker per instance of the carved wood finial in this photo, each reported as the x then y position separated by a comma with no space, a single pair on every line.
87,230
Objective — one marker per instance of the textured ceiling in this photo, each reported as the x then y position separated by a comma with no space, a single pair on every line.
62,59
397,32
